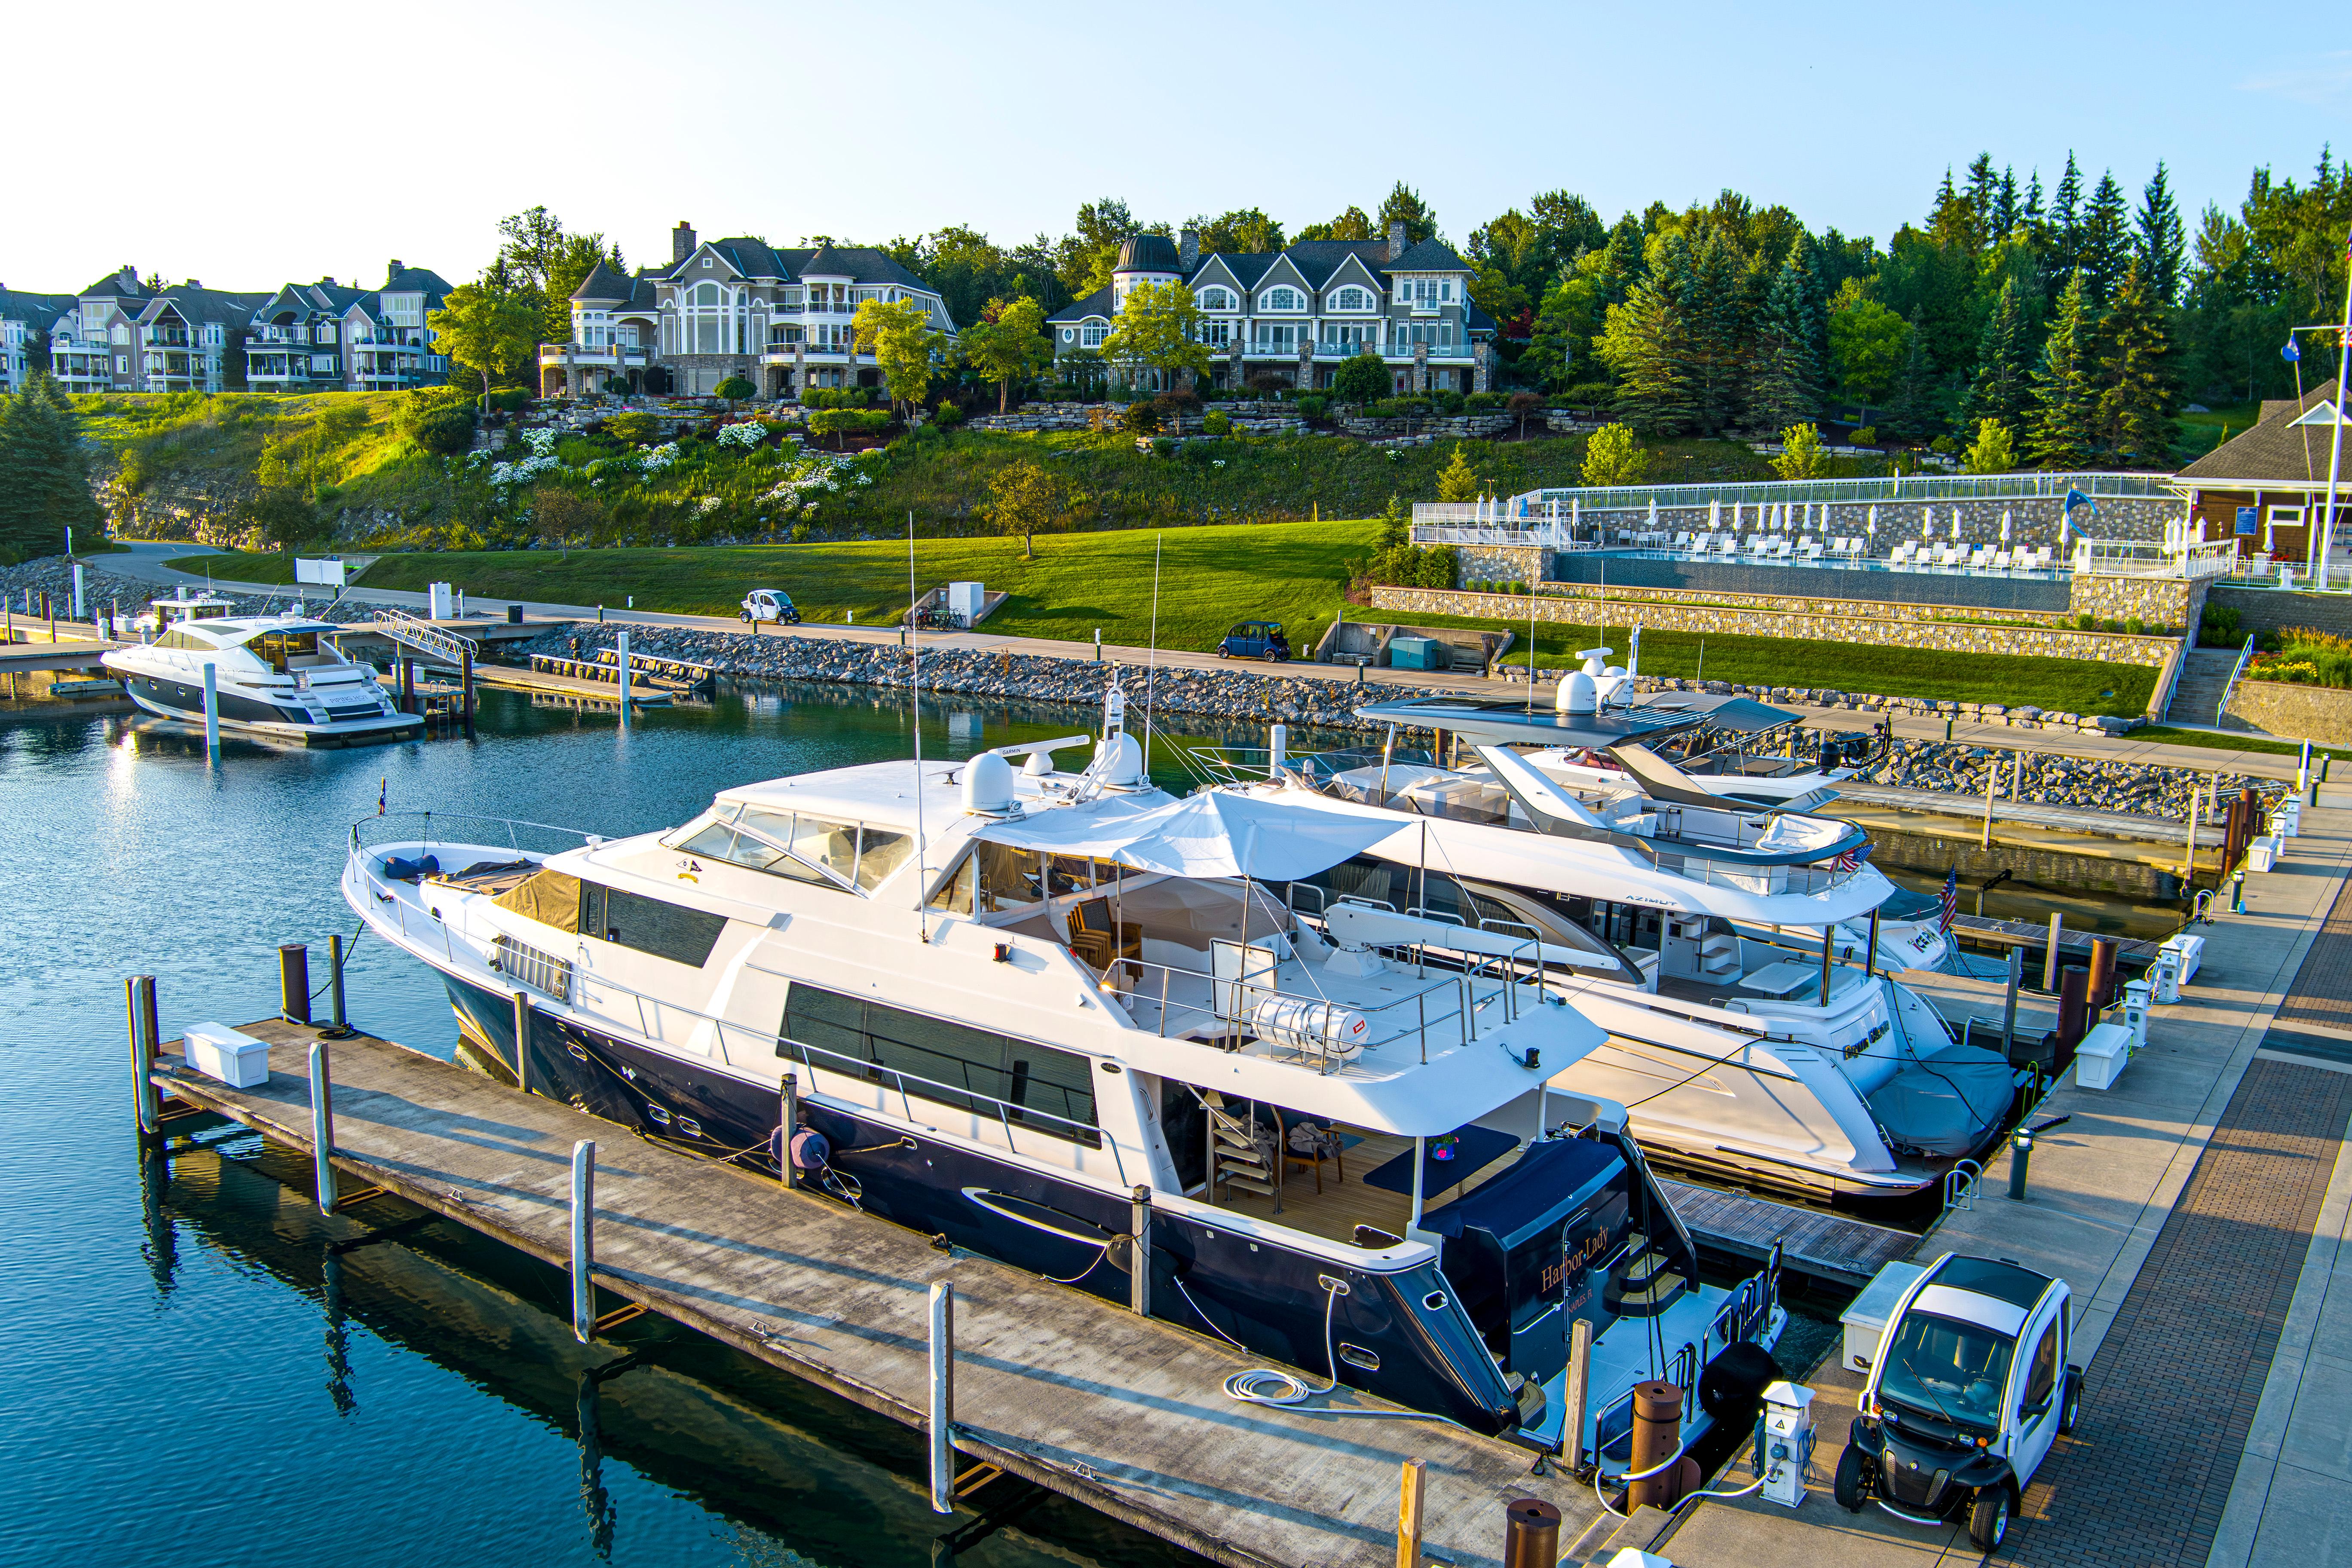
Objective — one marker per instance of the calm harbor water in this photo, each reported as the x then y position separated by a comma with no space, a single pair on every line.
188,1361
188,1367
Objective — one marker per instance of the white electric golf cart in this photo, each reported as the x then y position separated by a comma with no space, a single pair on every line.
1969,1389
770,604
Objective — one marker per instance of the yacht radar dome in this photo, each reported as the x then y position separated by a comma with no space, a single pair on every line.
1040,764
1119,762
1596,659
988,786
1576,693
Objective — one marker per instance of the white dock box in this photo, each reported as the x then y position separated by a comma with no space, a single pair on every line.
965,599
2102,1057
2191,951
2262,855
1865,1317
218,1051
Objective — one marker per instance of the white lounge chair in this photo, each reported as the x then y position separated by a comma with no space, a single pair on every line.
1980,558
1813,550
1681,540
2000,559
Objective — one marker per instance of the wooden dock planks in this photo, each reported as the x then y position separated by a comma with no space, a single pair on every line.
1812,1242
1123,1414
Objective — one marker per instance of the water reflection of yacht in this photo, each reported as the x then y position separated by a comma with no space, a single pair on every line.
1081,987
1691,929
276,676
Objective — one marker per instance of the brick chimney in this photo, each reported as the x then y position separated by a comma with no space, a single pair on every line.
393,270
191,283
1396,239
1188,248
681,241
129,276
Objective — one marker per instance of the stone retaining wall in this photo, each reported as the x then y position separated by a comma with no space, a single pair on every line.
1953,637
2292,712
1798,604
2158,601
1462,426
2275,609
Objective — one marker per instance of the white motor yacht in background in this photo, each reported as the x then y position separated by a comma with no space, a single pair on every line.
1008,1001
1740,1055
275,675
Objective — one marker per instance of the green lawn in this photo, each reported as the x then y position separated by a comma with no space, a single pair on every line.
239,565
2065,685
2233,741
1211,577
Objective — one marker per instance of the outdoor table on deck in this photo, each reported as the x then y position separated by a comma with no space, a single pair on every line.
1475,1149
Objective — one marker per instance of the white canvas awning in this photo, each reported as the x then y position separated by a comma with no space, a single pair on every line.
1213,833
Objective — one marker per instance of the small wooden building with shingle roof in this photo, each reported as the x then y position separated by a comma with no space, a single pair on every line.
2277,471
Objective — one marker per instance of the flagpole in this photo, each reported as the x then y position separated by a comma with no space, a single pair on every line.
2336,443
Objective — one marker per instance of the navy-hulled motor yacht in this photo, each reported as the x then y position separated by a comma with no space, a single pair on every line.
278,676
1008,999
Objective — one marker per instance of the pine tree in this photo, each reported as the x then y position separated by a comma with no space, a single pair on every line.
2005,212
1984,201
2066,221
2162,241
2106,240
1786,388
2134,410
44,475
2003,387
1716,345
1643,343
2062,430
1914,415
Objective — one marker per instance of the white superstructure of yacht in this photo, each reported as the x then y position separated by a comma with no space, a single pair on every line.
279,675
1005,1003
1692,933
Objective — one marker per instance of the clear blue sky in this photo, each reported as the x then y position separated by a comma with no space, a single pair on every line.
248,144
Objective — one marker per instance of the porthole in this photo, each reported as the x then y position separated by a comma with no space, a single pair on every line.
1357,1355
689,1126
1110,1067
1433,1302
659,1116
575,1047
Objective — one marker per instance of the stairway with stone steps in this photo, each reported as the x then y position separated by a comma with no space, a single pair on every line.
2202,681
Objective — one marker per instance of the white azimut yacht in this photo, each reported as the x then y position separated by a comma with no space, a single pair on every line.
1692,933
275,675
1075,988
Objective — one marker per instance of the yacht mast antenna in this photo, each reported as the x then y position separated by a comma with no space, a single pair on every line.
1151,657
915,689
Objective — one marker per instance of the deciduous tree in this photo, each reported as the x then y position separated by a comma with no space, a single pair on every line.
1361,379
1008,343
899,334
1027,499
1801,453
1405,205
1993,451
1867,344
492,333
1613,457
1159,328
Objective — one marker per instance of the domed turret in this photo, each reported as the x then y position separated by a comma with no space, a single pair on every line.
1149,253
988,786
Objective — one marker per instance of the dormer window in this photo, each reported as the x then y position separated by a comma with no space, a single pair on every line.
706,264
1282,300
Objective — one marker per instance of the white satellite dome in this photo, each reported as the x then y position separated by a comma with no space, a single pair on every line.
1578,693
988,786
1119,762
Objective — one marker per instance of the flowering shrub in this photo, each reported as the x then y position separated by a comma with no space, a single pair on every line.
660,458
2306,657
746,435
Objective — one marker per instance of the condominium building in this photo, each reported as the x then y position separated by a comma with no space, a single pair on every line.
728,308
329,336
121,335
1297,313
24,318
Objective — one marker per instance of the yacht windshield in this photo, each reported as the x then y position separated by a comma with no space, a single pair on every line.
1939,1366
282,651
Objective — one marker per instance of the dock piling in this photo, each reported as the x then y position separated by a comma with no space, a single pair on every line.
1530,1534
1579,1379
294,981
322,1126
1412,1486
2009,1006
2050,959
139,1009
621,643
584,1241
942,1426
1138,1274
2103,973
339,1026
212,713
523,1040
788,1119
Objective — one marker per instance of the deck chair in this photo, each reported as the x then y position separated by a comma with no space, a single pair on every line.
1813,550
1979,558
2000,560
1098,939
1309,1142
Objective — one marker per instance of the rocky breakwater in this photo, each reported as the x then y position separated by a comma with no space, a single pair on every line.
1235,695
2137,789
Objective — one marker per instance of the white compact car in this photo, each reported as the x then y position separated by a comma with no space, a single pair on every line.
771,605
1969,1389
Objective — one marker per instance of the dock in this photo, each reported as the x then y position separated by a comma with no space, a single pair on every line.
1122,1413
1815,1244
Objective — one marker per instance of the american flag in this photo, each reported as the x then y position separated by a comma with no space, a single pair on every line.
1951,899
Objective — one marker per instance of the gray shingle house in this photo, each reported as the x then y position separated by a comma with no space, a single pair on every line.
329,336
120,335
1300,312
779,318
23,319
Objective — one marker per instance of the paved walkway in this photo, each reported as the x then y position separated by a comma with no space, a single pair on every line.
146,561
2181,1206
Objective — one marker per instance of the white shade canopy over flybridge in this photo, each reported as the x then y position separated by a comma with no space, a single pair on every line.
1210,835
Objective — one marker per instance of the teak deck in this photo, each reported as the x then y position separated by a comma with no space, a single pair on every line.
1121,1412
